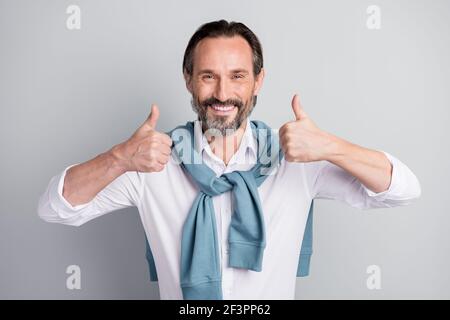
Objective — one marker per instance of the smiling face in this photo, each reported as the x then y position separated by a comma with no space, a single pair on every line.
222,84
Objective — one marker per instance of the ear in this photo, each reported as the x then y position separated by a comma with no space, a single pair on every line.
259,81
188,81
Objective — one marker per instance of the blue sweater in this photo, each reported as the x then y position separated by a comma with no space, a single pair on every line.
304,258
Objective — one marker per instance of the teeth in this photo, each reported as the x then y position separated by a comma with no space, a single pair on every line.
220,108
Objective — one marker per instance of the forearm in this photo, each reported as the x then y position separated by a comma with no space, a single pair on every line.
372,168
84,181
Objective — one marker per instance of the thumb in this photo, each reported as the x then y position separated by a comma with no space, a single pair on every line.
297,108
153,116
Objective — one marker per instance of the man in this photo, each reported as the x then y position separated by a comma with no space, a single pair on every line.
189,238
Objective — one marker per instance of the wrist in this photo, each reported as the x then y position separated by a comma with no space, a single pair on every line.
334,148
117,159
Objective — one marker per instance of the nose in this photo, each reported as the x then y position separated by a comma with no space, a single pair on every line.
222,91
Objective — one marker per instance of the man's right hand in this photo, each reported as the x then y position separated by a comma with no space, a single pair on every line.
147,150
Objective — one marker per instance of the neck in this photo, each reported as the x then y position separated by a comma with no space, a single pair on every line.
225,147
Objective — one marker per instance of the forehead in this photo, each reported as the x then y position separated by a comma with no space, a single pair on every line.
223,53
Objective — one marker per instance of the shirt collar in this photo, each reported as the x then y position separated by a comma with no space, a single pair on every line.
248,141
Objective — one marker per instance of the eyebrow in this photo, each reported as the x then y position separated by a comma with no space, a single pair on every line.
240,71
232,71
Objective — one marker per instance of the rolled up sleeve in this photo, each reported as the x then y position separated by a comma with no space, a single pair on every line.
123,192
329,181
404,185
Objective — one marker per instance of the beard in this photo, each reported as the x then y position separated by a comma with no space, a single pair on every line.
221,123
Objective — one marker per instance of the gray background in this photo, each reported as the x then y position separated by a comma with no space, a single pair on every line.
66,96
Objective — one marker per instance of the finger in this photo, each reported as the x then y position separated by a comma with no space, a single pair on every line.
153,117
282,130
297,108
283,142
165,150
162,160
165,139
158,167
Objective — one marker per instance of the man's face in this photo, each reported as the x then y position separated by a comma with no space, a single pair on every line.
222,84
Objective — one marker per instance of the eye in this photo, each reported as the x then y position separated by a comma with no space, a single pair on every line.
238,76
207,76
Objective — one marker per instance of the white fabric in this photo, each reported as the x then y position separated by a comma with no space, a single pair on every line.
164,199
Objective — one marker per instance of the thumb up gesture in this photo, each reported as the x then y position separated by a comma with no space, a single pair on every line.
147,150
301,140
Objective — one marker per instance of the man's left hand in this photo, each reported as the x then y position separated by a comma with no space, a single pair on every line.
301,140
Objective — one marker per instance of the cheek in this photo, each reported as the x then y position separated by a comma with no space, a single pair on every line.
202,87
203,91
244,90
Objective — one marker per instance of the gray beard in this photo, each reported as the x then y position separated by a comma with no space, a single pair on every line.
220,124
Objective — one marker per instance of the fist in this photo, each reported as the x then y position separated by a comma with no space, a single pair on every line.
147,150
301,140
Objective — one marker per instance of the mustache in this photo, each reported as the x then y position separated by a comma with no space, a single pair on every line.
210,101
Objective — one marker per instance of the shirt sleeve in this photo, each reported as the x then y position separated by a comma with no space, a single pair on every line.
328,181
123,192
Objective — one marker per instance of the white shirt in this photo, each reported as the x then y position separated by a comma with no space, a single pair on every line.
164,199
